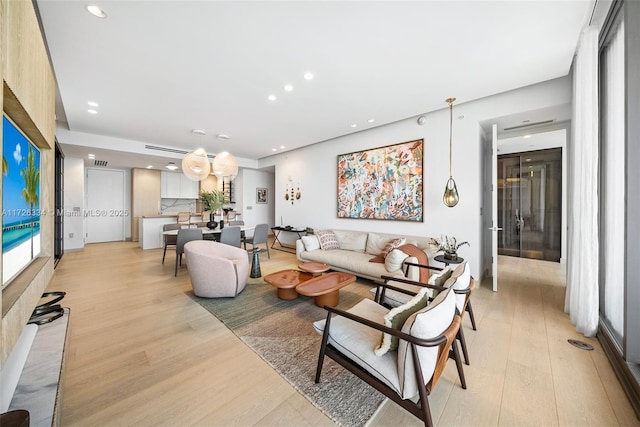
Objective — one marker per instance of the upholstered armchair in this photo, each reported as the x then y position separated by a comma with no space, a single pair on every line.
216,269
406,374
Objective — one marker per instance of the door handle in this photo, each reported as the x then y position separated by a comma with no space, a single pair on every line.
495,228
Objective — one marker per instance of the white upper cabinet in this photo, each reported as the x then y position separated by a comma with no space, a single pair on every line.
177,186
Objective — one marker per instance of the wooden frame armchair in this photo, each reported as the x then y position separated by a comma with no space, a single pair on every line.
460,286
426,342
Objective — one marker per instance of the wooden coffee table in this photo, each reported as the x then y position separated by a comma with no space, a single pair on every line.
326,288
286,281
314,267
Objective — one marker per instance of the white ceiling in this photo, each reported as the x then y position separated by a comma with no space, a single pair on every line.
159,69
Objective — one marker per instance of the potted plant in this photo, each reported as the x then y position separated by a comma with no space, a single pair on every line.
212,201
448,245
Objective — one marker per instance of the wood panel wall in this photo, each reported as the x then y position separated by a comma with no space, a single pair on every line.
28,97
145,196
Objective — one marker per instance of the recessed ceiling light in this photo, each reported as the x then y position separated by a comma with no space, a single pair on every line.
274,149
199,152
370,121
96,11
91,156
149,166
92,104
354,125
198,132
288,88
308,76
90,111
282,147
171,166
223,137
527,160
527,136
272,97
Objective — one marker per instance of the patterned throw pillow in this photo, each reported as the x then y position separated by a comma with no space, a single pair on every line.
328,240
391,245
396,317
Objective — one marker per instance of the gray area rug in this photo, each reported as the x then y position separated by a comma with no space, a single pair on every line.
281,332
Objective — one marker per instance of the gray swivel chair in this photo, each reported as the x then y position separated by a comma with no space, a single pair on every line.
169,240
260,235
185,235
231,236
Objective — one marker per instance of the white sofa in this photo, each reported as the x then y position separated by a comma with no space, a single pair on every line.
357,248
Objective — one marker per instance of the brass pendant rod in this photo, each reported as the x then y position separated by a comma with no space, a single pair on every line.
450,101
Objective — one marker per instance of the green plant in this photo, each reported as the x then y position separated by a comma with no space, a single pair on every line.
448,245
212,200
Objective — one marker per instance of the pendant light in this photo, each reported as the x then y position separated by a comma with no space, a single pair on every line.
450,197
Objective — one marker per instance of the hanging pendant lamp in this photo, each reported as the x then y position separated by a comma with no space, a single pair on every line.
450,197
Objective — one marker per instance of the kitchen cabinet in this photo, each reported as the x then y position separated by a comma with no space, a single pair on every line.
178,186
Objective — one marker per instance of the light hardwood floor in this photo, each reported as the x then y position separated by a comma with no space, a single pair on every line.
143,353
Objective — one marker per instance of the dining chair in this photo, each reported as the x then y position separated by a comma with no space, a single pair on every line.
231,236
260,235
184,218
185,235
169,240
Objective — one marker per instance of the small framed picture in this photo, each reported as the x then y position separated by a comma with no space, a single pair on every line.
261,195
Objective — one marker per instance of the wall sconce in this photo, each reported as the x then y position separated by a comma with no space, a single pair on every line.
292,192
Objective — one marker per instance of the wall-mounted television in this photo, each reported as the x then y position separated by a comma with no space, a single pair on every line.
20,201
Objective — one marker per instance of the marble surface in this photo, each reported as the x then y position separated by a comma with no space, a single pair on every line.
40,386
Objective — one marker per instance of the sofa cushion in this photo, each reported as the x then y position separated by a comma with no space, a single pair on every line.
328,240
311,243
351,240
394,260
375,243
396,318
440,277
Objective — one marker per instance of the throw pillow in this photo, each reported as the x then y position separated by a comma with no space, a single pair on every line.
396,317
439,278
391,245
311,243
328,240
394,260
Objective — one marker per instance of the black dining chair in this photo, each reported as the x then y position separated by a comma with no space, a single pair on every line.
185,235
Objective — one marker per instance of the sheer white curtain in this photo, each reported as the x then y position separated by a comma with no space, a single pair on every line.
613,179
581,300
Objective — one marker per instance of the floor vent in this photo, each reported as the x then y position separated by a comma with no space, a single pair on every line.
102,163
580,344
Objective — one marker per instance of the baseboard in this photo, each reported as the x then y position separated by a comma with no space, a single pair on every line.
630,384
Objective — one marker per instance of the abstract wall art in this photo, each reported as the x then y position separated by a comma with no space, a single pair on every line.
382,183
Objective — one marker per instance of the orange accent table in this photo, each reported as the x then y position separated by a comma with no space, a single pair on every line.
314,267
286,281
326,288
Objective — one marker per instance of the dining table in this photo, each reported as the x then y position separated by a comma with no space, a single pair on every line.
215,231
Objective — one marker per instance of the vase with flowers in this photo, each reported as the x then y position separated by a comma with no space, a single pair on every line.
448,246
212,201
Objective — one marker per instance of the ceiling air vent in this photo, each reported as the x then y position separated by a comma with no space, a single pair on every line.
102,163
528,125
171,150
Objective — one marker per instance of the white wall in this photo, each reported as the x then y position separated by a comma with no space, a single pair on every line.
73,204
257,213
315,168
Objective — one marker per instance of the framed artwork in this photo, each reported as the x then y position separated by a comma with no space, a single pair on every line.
261,195
382,183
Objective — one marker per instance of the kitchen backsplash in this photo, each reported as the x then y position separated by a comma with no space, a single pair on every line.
173,206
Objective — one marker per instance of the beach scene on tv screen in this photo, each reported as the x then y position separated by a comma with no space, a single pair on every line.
20,201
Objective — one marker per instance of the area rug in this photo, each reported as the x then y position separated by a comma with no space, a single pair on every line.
281,332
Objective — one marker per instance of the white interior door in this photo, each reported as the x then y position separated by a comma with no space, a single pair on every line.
494,207
105,213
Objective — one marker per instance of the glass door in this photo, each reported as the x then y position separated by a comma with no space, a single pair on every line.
530,204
